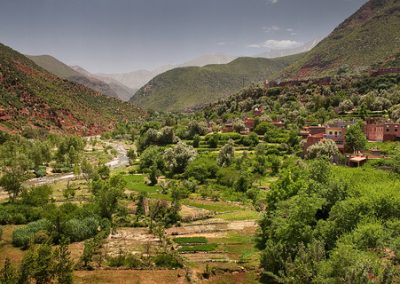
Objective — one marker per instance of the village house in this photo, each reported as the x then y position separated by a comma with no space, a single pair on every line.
382,131
228,127
278,124
249,123
258,111
315,134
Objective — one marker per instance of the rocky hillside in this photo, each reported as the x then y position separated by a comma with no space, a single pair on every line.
369,38
33,97
183,88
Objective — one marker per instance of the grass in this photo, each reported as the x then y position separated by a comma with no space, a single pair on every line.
217,206
137,183
191,240
377,180
198,248
385,147
240,215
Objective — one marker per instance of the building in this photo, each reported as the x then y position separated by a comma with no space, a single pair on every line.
228,127
315,134
258,111
278,124
381,131
249,123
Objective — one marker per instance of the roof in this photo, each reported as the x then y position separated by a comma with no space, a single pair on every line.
358,159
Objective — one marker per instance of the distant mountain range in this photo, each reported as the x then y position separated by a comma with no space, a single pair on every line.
32,97
137,79
182,88
110,88
368,39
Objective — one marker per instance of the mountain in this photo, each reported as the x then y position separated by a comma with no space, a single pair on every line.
185,87
274,53
137,79
33,97
207,59
81,76
133,80
369,38
123,92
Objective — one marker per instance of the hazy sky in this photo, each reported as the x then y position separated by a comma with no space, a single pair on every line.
124,35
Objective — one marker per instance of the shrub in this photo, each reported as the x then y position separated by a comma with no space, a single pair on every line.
129,261
79,230
22,236
37,196
40,237
168,260
202,169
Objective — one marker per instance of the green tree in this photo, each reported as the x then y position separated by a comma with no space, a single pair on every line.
178,157
196,141
213,140
243,183
151,156
226,154
63,266
104,172
153,175
355,138
132,156
323,149
107,195
238,125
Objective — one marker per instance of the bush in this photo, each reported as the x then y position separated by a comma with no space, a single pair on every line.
40,237
19,214
22,236
168,260
129,261
202,168
79,230
37,196
40,171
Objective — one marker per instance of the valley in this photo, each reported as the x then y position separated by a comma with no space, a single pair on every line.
253,170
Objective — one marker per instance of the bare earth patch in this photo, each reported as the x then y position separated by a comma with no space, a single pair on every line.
131,276
129,240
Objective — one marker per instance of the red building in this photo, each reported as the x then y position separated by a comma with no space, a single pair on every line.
382,131
249,123
319,133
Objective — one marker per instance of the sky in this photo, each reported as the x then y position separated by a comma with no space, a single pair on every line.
114,36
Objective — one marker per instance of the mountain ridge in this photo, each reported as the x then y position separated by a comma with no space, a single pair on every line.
32,97
368,38
185,87
60,69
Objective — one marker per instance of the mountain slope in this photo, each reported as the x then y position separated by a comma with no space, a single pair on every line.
123,92
82,77
183,88
137,79
33,97
369,37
